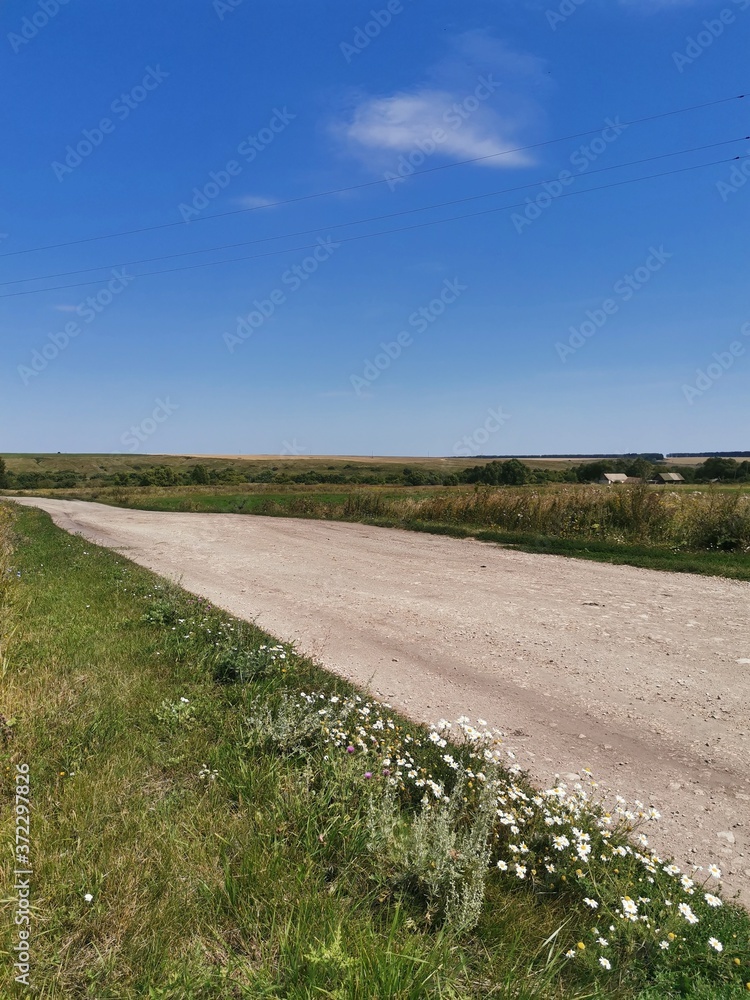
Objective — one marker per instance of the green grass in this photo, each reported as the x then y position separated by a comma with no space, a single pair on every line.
261,882
735,565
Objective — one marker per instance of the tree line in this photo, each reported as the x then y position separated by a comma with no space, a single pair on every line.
511,472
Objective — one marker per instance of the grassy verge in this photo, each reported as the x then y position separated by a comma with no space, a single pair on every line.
215,816
734,565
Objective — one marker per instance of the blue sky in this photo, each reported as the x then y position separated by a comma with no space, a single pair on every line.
574,322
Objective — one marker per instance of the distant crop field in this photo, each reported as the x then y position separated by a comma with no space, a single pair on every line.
298,463
109,463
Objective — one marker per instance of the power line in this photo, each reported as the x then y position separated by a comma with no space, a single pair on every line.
367,184
375,218
385,232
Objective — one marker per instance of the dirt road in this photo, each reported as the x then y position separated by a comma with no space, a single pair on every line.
642,676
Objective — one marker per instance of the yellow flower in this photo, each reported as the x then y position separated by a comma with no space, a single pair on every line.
671,936
581,946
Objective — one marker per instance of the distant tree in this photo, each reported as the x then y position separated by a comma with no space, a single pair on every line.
66,480
718,468
514,473
164,475
510,473
639,467
199,475
590,472
416,477
488,474
3,475
311,477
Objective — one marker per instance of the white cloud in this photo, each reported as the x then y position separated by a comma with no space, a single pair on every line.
433,119
477,101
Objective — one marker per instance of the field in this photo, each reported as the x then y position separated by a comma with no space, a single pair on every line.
106,464
212,816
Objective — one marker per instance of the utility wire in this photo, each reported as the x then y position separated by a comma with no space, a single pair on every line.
367,184
385,232
375,218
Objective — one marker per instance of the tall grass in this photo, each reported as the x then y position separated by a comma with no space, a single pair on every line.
639,515
633,514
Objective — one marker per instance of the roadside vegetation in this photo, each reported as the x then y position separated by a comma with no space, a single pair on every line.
212,815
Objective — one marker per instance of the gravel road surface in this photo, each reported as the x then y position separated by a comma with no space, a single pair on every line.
642,676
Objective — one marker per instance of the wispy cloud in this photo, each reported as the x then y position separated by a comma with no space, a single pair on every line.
423,118
478,100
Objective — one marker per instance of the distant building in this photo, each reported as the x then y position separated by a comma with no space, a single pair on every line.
613,478
668,477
